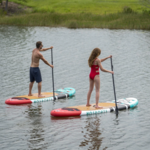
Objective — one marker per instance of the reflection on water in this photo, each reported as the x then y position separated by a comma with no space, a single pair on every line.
32,127
37,129
92,134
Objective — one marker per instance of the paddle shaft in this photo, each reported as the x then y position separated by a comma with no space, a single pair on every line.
52,72
114,86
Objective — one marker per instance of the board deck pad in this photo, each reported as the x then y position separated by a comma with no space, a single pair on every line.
109,106
92,107
35,95
25,99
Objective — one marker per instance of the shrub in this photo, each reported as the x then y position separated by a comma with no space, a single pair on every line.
2,12
73,25
146,12
127,10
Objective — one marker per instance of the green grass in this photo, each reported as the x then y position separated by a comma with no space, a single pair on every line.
83,20
112,14
79,6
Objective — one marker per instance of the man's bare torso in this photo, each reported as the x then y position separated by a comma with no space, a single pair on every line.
35,58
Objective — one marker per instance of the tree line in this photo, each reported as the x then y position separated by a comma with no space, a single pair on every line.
6,6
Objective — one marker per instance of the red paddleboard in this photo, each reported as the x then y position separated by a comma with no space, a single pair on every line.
18,100
80,110
66,112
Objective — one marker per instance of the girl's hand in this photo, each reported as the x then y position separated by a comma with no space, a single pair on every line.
52,66
111,72
110,56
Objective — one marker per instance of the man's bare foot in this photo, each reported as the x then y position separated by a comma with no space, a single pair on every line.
87,105
41,96
97,107
30,94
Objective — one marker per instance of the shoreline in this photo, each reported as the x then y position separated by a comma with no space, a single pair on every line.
83,20
21,15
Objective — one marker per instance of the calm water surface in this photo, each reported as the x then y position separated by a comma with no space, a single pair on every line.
31,126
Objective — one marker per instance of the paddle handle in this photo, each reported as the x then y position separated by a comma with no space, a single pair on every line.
114,86
52,72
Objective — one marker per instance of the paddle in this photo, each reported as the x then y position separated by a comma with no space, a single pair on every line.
52,72
114,86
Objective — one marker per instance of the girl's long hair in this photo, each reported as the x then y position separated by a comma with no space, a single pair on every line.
95,53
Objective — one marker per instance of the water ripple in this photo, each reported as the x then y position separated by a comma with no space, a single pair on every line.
32,127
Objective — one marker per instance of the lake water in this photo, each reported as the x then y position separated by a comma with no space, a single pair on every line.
31,126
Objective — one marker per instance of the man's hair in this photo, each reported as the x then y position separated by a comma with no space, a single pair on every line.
38,44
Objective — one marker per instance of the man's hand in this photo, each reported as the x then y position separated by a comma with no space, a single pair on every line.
52,66
110,56
51,47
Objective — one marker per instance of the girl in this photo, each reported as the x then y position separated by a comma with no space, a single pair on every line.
95,63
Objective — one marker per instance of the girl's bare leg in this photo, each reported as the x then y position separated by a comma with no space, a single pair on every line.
90,91
97,86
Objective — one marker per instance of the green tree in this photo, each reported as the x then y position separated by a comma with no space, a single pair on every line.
6,6
1,2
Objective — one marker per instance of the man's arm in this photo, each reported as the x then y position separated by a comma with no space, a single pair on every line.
45,49
45,61
106,58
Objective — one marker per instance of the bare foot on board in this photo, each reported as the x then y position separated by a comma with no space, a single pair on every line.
41,96
87,105
30,94
97,107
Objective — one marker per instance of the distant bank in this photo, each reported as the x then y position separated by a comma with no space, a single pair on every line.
81,14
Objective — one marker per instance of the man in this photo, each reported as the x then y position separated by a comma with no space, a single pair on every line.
35,74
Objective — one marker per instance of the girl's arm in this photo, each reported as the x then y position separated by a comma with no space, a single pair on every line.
106,58
101,67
